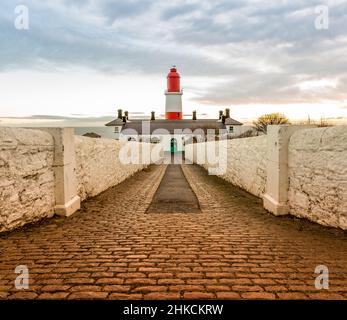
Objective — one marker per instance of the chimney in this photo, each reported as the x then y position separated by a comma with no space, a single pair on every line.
220,114
126,113
152,116
194,115
119,114
124,118
227,113
223,118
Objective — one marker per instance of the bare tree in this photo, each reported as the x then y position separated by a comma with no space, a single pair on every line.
271,118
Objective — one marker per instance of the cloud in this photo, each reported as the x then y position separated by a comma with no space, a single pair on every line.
260,51
114,10
178,11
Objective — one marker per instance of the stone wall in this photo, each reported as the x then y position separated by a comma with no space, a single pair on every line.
39,168
296,170
26,177
246,162
317,170
98,166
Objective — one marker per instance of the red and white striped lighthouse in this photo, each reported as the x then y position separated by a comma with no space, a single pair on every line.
173,105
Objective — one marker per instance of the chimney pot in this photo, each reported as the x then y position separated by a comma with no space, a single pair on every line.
152,116
194,115
119,113
227,113
126,113
223,118
220,114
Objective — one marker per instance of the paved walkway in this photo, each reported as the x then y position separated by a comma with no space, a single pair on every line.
233,249
174,194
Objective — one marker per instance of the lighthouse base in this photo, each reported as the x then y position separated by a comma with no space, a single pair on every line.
174,115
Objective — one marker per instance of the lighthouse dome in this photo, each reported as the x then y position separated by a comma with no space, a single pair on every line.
173,80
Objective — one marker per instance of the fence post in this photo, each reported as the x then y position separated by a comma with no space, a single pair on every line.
65,184
275,198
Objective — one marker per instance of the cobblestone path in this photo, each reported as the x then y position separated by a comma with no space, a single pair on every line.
232,249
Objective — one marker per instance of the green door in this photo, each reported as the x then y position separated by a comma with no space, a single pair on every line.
173,145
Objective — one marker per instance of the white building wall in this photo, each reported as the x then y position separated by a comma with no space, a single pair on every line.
165,140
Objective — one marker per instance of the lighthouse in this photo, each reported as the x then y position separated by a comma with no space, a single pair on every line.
175,135
173,104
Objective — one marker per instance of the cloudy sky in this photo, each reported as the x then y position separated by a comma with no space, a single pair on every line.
90,57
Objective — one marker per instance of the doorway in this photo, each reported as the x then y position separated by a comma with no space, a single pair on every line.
173,145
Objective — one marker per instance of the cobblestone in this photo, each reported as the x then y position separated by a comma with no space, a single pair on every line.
232,249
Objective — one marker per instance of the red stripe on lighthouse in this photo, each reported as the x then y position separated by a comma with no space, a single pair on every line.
173,115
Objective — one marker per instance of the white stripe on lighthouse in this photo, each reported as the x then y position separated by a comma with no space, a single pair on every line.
173,102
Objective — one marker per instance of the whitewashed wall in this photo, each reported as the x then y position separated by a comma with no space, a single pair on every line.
246,162
317,172
317,166
28,186
98,166
26,177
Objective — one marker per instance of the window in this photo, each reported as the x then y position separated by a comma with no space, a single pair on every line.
231,129
155,140
116,129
